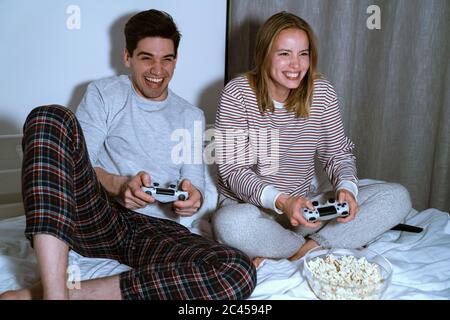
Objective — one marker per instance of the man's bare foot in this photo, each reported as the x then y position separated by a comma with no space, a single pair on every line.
257,261
31,293
22,294
308,245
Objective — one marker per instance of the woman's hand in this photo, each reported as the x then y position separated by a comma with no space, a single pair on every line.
293,207
346,196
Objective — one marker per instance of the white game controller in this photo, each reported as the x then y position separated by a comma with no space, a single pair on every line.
165,195
330,210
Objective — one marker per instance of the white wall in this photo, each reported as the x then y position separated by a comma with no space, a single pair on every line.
42,61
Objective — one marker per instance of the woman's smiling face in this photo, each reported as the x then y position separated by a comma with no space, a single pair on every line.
288,62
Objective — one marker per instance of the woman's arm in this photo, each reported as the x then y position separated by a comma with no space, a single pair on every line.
234,153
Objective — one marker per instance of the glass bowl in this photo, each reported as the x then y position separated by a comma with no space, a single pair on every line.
349,274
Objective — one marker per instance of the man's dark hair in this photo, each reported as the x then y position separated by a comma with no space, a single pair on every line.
150,23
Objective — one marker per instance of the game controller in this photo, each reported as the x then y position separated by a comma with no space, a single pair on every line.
330,210
165,195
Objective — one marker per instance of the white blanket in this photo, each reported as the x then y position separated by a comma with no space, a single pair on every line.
421,262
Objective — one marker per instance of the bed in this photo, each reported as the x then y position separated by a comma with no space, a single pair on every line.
421,261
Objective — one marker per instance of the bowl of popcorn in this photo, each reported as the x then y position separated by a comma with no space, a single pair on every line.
347,274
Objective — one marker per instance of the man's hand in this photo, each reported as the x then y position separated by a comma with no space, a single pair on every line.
187,208
131,193
293,207
346,196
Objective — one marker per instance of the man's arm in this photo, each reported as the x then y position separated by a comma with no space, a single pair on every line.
92,116
192,174
111,182
235,156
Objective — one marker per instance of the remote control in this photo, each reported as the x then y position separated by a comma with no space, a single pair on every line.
407,227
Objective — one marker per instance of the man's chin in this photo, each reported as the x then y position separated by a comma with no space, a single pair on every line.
156,96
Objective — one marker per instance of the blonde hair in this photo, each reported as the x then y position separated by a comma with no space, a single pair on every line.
299,100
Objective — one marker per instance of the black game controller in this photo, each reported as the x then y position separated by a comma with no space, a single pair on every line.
166,195
330,210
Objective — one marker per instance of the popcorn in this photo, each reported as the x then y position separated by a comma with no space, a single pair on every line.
345,277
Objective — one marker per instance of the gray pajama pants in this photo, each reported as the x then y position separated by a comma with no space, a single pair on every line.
264,233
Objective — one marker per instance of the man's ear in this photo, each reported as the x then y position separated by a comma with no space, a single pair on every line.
126,58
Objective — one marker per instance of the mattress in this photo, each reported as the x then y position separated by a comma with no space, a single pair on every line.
421,262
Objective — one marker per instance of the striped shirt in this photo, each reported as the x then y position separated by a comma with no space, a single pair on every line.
255,151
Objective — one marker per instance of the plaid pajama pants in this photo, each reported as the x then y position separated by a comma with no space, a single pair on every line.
63,197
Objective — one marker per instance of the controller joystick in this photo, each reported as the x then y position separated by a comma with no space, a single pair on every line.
330,210
165,195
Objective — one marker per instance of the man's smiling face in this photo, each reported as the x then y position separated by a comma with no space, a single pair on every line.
152,65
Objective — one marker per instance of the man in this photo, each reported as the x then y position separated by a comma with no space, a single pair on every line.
83,178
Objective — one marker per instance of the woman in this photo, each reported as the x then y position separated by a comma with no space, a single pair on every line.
284,108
